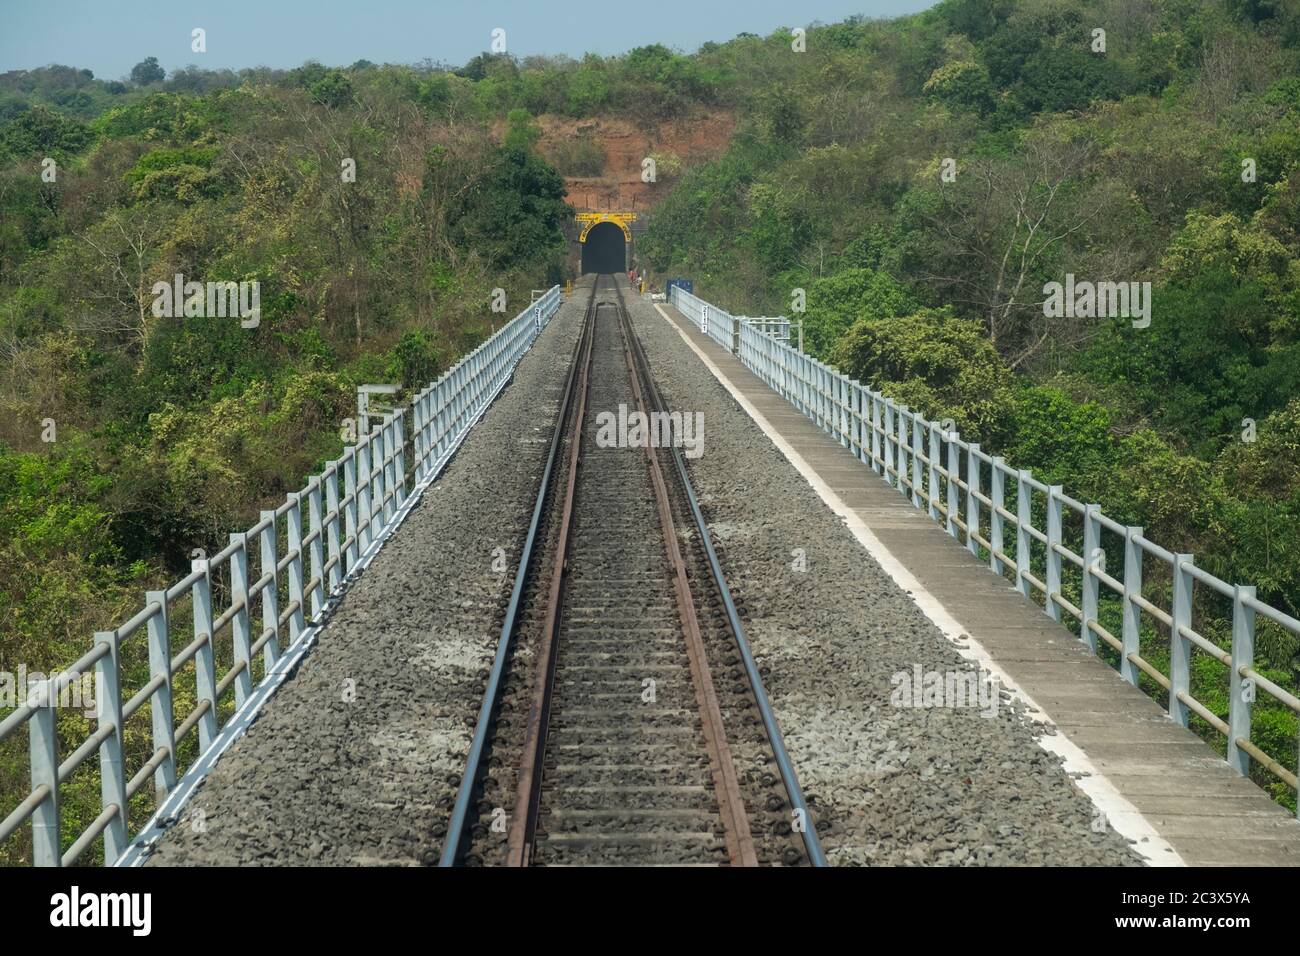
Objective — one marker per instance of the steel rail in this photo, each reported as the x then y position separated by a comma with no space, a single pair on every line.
457,824
811,842
735,817
521,839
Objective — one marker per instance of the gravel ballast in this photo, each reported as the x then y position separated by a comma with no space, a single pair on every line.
833,634
356,759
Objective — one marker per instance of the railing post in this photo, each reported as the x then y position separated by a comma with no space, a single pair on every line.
972,502
390,464
876,456
1180,648
1054,506
799,377
316,525
205,666
826,398
399,461
43,750
888,443
386,463
856,430
350,492
379,474
842,408
332,528
112,772
362,500
1092,555
1132,612
1241,695
417,435
900,449
271,593
997,494
932,479
1024,521
954,470
436,424
161,714
293,546
240,624
916,459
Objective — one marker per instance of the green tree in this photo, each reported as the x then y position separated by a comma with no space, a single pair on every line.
147,71
853,295
935,363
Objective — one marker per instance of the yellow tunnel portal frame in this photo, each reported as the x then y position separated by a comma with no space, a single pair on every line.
591,219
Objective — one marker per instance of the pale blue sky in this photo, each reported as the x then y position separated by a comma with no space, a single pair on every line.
110,36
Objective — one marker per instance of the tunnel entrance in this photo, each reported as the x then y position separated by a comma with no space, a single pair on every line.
605,249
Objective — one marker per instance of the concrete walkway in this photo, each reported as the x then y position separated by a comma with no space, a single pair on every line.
1156,782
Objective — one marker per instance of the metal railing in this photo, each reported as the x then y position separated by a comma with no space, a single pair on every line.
724,328
281,572
967,490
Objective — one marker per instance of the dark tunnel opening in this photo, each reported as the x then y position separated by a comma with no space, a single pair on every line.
605,249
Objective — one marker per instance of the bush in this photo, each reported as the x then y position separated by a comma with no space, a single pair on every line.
937,364
854,295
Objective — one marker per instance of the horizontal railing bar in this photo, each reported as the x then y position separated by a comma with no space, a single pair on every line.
88,747
1273,614
1072,610
1072,503
1206,645
1150,547
225,554
184,584
144,773
228,615
1208,579
1063,551
1150,670
24,810
262,641
1159,614
1268,762
142,696
261,584
192,648
90,834
290,611
192,721
1283,696
1106,636
1111,525
1201,711
224,684
261,526
142,617
1034,533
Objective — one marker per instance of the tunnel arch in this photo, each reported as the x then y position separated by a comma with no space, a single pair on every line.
605,249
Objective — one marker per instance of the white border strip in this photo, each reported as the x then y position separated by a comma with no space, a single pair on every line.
1123,817
166,816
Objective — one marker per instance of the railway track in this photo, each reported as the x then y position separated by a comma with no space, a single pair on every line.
623,721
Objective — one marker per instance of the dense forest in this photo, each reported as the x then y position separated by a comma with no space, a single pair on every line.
917,181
